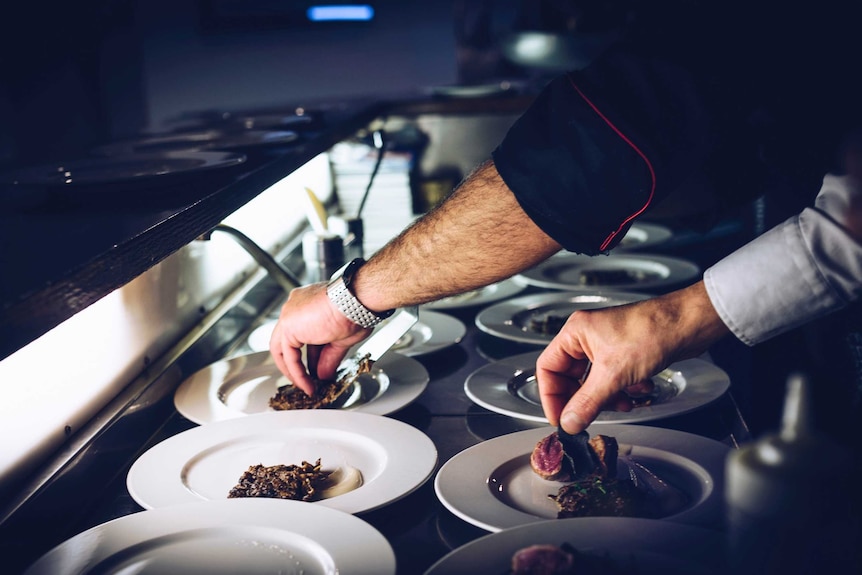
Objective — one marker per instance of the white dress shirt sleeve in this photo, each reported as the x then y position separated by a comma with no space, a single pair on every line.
802,269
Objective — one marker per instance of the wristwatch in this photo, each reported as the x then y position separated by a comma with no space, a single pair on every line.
341,295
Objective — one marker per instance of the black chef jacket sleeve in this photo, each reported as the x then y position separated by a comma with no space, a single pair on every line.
600,146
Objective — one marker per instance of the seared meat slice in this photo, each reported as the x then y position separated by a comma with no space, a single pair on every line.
544,559
548,559
549,460
558,456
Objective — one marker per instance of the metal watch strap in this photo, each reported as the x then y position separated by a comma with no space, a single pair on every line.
340,295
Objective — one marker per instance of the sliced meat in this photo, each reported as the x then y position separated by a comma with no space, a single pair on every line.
607,450
549,459
543,559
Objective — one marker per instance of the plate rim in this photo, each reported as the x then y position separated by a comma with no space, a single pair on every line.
400,441
647,534
705,452
35,175
685,269
495,377
504,289
199,386
164,142
446,330
660,234
182,518
488,322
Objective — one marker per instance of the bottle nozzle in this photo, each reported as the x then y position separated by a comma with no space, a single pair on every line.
796,417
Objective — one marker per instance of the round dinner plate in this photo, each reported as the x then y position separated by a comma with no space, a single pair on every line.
492,486
491,293
509,387
568,271
643,546
89,171
204,463
242,385
529,319
644,235
199,140
432,332
249,536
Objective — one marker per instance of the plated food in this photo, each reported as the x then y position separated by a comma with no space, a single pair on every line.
612,544
537,318
597,481
303,482
327,393
373,460
246,384
249,536
493,485
637,272
508,386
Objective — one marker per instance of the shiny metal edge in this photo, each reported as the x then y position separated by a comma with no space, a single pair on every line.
126,399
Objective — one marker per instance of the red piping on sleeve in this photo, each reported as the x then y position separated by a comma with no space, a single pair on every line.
636,149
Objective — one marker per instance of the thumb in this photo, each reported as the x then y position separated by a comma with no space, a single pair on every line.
588,401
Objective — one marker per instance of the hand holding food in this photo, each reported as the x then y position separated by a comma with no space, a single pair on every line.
625,346
313,319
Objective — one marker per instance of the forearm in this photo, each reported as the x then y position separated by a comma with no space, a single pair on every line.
689,321
477,236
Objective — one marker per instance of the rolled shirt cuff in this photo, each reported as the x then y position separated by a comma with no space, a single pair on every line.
802,269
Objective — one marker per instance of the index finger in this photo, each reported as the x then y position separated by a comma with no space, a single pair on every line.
288,359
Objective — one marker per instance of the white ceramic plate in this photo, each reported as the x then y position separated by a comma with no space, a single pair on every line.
650,546
90,171
644,235
564,271
494,292
205,462
243,385
509,387
492,486
249,536
522,318
432,332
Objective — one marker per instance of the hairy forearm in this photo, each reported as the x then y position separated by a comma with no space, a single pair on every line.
478,236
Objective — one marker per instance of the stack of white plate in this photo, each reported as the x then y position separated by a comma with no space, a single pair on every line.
389,207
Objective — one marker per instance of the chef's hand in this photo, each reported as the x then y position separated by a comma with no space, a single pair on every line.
626,345
309,318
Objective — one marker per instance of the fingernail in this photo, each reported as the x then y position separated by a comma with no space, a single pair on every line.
572,423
